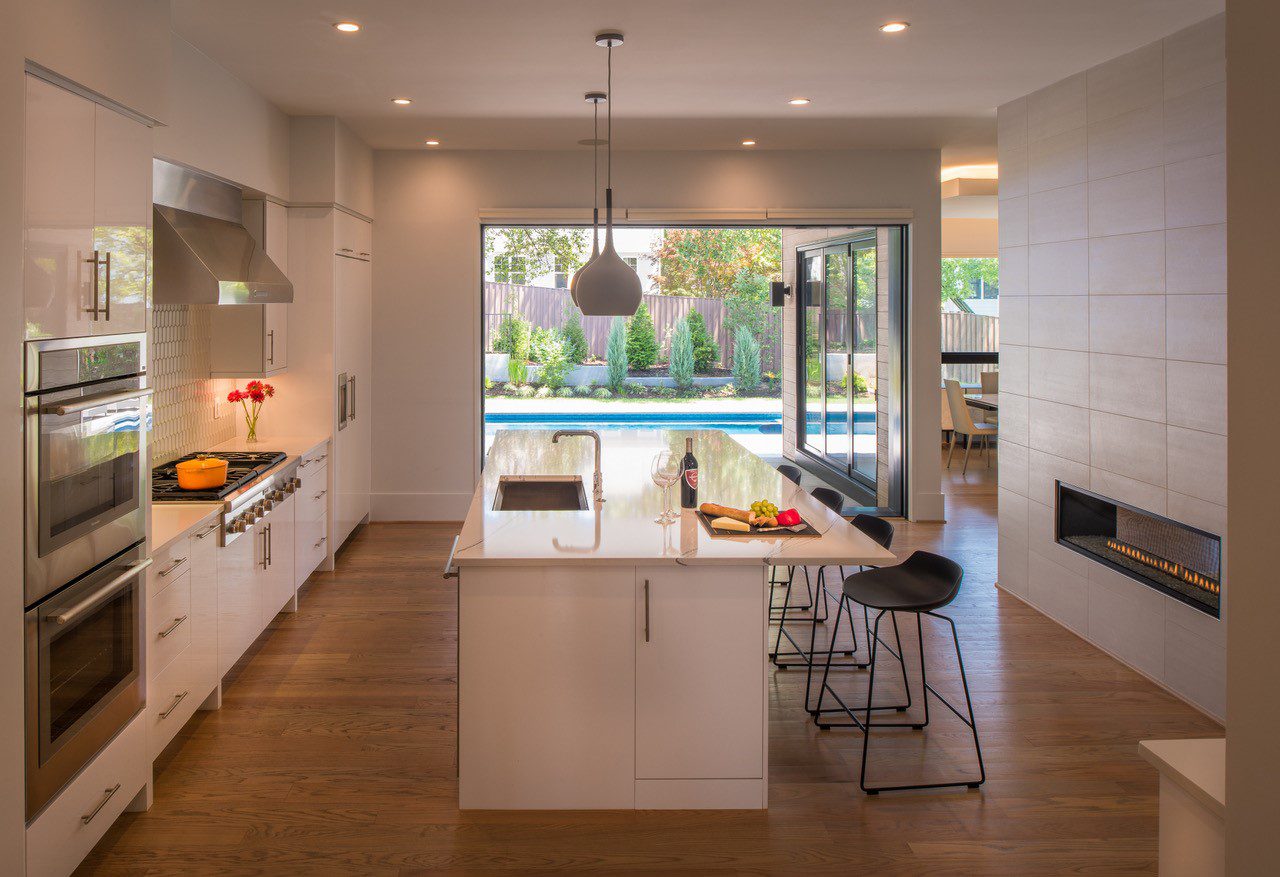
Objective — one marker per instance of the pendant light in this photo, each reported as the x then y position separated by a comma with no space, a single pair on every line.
595,98
608,286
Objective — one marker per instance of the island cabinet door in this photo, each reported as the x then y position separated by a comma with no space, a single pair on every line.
700,653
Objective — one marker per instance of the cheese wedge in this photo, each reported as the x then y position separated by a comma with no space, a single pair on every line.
731,524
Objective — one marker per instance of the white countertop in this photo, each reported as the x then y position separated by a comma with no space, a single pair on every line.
622,530
169,520
293,445
1199,766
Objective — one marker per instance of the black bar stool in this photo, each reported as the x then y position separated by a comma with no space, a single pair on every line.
920,585
792,474
879,530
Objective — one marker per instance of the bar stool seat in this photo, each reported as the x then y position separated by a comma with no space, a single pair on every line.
922,583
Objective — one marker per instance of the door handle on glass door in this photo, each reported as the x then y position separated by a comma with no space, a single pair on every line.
107,300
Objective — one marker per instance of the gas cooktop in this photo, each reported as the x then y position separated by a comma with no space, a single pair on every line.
242,468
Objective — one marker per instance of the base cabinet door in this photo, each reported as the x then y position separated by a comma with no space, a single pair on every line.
277,577
239,604
203,551
700,673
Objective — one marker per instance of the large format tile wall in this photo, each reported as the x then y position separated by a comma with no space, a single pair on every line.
189,409
1113,344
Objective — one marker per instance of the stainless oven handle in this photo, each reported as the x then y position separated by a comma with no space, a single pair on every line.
107,796
84,403
75,611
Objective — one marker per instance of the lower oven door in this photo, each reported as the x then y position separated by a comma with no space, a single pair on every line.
87,479
84,679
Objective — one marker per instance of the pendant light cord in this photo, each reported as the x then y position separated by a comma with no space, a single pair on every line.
609,97
595,175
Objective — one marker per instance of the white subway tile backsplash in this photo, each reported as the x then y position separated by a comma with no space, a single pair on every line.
1056,108
1059,376
190,412
1013,271
1043,470
1198,464
1195,123
1057,429
1197,327
1196,191
1130,385
1196,260
1133,325
1127,264
1057,215
1122,85
1059,321
1056,161
1195,57
1058,269
1127,204
1128,446
1126,143
1197,395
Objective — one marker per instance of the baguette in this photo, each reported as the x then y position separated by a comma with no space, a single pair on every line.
723,511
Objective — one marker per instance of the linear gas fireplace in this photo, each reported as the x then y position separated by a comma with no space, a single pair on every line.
1182,561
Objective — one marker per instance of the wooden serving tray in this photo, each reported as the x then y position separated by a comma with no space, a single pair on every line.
757,531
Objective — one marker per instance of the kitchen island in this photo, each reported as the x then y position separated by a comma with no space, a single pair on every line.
608,661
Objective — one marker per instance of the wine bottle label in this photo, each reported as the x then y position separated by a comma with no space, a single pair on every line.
691,478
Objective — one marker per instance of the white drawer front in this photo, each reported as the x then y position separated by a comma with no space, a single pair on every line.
167,564
313,459
60,838
172,698
168,623
311,545
313,495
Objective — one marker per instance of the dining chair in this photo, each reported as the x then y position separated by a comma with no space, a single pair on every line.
963,424
990,382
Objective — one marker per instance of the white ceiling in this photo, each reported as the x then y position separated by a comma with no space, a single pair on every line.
694,74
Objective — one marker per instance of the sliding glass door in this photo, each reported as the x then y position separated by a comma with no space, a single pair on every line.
850,356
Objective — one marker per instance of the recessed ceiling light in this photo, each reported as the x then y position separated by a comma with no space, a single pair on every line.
433,142
895,26
748,143
799,101
402,101
347,26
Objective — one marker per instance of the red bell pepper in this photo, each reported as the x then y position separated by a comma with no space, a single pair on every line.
788,518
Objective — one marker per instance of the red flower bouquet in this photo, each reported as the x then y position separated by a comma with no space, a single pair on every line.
251,399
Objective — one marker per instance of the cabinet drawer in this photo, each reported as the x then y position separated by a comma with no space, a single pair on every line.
167,564
59,838
311,547
168,624
313,495
313,459
172,698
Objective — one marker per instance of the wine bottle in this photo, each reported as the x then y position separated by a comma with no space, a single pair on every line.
689,477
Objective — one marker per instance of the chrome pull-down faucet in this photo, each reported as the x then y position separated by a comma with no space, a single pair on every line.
597,492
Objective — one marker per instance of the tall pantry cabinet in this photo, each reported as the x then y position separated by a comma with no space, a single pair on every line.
327,387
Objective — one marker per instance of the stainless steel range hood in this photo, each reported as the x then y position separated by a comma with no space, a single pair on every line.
203,253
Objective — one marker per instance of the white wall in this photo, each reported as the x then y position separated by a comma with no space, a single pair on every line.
1113,343
219,125
1253,313
427,283
330,165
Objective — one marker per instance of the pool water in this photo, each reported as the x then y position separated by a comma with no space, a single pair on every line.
746,423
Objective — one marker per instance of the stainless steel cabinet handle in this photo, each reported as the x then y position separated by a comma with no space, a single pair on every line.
173,706
75,611
351,398
264,545
94,261
107,300
323,539
171,567
107,796
271,347
207,531
346,250
646,610
84,403
320,494
321,457
364,254
269,559
177,622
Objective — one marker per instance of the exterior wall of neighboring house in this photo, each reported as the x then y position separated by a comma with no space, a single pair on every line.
636,246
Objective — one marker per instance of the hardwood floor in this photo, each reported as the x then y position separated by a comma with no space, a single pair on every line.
334,752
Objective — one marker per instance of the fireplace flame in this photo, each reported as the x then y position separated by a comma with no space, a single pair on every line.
1168,567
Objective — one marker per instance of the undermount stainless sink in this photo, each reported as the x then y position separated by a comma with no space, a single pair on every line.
547,493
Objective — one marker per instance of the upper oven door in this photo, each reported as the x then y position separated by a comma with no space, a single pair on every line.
86,467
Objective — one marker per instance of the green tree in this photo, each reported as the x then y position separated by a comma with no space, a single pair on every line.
705,350
750,304
616,354
746,361
642,340
555,364
536,250
960,276
575,339
683,354
705,262
514,337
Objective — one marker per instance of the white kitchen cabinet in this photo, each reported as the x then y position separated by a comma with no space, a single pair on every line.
239,603
277,585
353,354
353,236
311,538
203,551
699,674
87,199
252,341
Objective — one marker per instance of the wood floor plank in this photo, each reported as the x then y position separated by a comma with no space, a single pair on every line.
334,752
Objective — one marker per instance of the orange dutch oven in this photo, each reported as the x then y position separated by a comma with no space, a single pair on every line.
202,473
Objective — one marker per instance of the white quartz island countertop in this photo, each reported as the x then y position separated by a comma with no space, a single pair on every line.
622,529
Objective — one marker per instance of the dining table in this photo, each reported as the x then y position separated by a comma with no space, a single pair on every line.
983,401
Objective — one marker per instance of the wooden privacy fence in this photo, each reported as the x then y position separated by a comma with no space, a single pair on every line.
969,333
549,308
